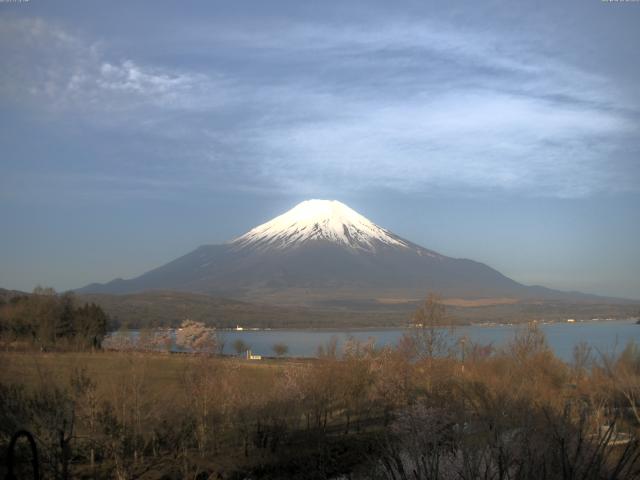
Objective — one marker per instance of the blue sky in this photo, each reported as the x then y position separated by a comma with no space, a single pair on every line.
133,132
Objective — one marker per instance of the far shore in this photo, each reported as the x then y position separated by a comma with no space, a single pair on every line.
396,327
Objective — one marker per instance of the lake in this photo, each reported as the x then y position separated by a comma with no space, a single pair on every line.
604,336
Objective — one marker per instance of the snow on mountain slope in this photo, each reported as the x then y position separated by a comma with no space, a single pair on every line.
319,220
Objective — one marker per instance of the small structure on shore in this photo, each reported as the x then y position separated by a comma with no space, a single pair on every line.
251,356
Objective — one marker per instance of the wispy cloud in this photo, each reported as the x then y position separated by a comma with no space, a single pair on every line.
51,68
411,106
470,139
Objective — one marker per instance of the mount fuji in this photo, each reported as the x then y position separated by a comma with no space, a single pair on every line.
322,250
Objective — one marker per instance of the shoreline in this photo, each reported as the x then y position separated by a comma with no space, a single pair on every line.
391,327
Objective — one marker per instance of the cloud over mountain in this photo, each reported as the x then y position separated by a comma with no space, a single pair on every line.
404,105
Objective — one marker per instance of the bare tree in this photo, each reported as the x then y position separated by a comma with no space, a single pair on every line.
280,349
206,382
431,338
240,346
85,396
527,342
582,359
392,375
356,379
624,376
330,349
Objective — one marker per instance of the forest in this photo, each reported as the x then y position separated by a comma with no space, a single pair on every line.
47,320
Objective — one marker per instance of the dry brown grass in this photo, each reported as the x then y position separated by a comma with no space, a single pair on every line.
479,302
164,373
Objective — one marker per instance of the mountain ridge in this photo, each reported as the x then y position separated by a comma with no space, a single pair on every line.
324,249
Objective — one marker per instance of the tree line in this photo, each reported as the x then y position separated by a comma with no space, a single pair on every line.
46,319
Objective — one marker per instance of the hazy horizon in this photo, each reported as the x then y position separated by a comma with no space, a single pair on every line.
135,132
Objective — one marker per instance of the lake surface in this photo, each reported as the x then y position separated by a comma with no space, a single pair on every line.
604,336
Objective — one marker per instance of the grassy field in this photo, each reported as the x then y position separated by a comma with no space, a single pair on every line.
164,373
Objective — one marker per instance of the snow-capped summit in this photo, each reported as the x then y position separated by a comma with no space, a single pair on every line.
323,220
